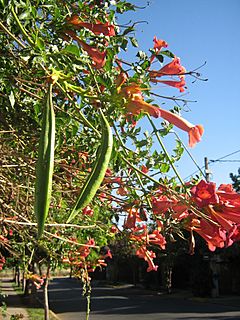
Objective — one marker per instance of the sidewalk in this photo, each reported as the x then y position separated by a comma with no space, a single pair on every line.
12,300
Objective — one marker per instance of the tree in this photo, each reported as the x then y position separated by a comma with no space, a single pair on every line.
236,180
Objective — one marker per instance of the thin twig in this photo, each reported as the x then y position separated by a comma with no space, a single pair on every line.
63,225
172,98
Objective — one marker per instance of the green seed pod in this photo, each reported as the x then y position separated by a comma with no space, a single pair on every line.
96,177
45,163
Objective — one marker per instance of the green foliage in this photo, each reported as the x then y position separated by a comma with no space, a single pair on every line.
59,42
236,180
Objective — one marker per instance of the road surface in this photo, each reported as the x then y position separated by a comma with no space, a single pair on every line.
129,303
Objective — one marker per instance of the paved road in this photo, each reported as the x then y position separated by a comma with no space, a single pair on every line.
128,303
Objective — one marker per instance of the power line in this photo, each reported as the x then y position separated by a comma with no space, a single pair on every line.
224,160
228,155
194,173
190,155
216,160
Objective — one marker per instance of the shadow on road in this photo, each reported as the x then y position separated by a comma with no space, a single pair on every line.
133,303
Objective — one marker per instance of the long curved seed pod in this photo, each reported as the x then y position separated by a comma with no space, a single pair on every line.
96,177
45,163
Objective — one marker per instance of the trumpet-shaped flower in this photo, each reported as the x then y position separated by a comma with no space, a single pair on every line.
212,234
135,104
229,205
157,238
132,92
220,218
176,84
229,213
132,218
98,57
97,28
120,80
161,204
195,132
227,193
204,193
148,256
171,69
223,208
158,45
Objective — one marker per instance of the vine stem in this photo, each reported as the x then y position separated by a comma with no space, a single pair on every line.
29,40
190,155
64,225
165,150
88,298
12,35
137,174
84,120
51,234
31,257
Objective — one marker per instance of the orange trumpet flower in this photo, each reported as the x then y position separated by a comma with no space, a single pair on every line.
195,132
97,28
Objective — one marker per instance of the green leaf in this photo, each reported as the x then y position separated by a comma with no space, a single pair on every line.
11,99
25,15
167,53
164,167
40,43
145,65
141,55
124,44
178,150
142,143
160,58
134,42
124,6
128,30
73,49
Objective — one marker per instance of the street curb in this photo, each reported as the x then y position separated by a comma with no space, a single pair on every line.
54,315
40,302
50,311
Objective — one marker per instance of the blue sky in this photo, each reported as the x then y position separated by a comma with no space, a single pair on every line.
199,31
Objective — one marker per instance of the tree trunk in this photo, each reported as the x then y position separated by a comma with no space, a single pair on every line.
23,281
27,282
169,279
18,277
167,275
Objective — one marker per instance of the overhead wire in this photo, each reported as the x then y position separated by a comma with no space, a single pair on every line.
226,161
216,160
228,155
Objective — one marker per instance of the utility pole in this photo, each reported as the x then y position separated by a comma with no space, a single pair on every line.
207,171
213,259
